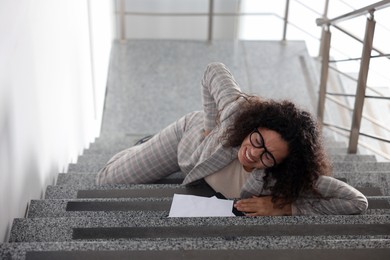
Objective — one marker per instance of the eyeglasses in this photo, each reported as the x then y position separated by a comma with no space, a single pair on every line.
257,141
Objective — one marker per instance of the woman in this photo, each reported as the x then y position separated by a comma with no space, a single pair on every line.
267,153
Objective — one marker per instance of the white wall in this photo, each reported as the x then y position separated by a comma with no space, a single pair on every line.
53,71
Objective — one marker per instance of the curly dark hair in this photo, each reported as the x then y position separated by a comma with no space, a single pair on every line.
306,160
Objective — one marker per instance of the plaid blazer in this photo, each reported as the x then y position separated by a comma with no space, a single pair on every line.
200,156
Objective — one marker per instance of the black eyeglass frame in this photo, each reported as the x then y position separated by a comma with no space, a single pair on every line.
270,155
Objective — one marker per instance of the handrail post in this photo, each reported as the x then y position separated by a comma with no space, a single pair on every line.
362,83
210,22
122,21
324,16
324,72
285,20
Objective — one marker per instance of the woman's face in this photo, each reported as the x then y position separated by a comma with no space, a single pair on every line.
273,149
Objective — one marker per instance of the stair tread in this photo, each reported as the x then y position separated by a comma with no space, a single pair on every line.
337,166
64,229
130,249
148,190
90,179
87,178
139,206
94,163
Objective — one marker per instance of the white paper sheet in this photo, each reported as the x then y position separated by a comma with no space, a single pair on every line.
196,206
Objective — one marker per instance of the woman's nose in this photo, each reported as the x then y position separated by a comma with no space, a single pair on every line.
256,152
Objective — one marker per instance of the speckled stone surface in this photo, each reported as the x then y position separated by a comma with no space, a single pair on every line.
18,250
61,229
100,152
90,178
367,179
111,149
76,179
93,163
75,182
69,192
352,177
110,144
361,167
58,207
93,166
351,158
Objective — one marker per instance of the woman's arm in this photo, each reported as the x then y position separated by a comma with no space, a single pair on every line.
256,201
339,199
218,89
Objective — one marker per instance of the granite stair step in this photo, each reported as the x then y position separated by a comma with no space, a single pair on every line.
124,191
108,208
367,179
87,163
103,158
361,167
127,140
352,158
130,227
334,144
147,207
178,177
111,150
337,166
337,151
248,248
148,191
362,179
111,145
90,179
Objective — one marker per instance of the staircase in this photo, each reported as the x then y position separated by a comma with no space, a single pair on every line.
79,220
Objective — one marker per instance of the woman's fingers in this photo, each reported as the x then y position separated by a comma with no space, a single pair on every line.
251,205
262,206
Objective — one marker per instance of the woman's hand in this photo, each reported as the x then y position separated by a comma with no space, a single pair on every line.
262,206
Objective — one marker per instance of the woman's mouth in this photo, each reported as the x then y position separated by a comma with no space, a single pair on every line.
248,156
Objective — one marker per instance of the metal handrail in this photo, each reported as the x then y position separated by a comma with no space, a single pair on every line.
354,79
364,65
308,7
353,95
356,38
286,11
123,20
356,59
367,146
210,23
368,118
123,13
359,12
210,15
200,14
363,134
